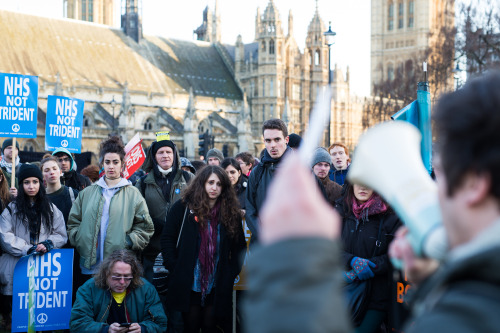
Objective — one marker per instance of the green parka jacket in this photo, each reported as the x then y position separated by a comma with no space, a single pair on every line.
129,225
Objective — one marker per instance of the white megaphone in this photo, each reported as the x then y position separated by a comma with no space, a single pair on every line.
403,182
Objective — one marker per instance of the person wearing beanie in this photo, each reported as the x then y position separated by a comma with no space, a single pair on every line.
30,223
69,176
161,188
6,163
321,167
214,157
294,141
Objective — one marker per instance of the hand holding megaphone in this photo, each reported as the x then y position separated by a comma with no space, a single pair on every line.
403,182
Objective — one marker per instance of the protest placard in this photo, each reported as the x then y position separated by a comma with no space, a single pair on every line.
134,159
63,126
53,278
18,105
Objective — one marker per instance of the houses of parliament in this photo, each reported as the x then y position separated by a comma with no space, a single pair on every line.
134,83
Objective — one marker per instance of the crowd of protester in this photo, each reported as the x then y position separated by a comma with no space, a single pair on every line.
190,217
190,214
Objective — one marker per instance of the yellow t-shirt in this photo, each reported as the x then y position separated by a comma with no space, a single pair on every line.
119,297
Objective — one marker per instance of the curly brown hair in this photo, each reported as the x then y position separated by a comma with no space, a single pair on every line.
196,198
126,256
112,145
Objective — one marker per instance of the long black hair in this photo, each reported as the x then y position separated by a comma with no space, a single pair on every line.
30,213
239,186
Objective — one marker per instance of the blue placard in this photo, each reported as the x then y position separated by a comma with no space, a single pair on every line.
18,105
64,123
53,286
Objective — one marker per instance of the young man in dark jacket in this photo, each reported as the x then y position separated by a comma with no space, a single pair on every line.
70,177
275,136
321,168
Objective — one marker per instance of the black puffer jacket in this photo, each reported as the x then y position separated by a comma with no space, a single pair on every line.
359,238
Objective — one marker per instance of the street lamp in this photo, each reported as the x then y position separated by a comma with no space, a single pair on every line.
329,41
456,75
113,104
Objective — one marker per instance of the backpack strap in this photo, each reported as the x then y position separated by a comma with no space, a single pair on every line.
71,194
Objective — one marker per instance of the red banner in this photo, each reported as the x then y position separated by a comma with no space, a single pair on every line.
134,160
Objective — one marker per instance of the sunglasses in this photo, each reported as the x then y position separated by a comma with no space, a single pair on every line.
119,278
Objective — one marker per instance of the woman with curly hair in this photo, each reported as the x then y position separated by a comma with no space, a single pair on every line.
31,223
201,245
108,215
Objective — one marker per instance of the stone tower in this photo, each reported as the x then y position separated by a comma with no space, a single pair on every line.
210,29
401,30
97,11
131,19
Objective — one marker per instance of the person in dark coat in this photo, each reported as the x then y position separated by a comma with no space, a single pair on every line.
69,176
237,178
275,136
201,245
368,227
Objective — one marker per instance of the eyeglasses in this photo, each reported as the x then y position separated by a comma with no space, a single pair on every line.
119,278
63,159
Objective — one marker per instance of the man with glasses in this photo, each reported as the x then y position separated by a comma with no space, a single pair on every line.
70,177
118,300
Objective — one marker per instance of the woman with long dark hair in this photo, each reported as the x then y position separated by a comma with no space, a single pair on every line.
368,228
108,215
237,178
201,245
31,223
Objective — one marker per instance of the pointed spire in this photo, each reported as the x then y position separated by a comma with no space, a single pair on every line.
58,85
190,110
290,23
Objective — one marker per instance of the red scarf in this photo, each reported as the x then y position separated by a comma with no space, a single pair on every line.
372,206
208,247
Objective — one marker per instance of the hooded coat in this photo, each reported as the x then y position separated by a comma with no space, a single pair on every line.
72,178
153,187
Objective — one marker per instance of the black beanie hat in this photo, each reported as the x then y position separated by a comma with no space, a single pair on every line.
8,142
27,171
164,143
294,140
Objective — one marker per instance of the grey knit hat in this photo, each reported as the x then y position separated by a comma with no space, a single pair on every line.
214,152
321,155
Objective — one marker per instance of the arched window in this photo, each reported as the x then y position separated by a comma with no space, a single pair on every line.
263,46
148,125
390,72
390,16
409,69
86,121
399,73
263,87
271,47
411,12
401,12
317,58
271,87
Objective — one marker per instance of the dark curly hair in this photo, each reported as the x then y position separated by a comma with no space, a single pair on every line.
126,256
112,145
196,198
238,187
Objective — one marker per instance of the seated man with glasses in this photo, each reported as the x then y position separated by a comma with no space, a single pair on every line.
117,299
